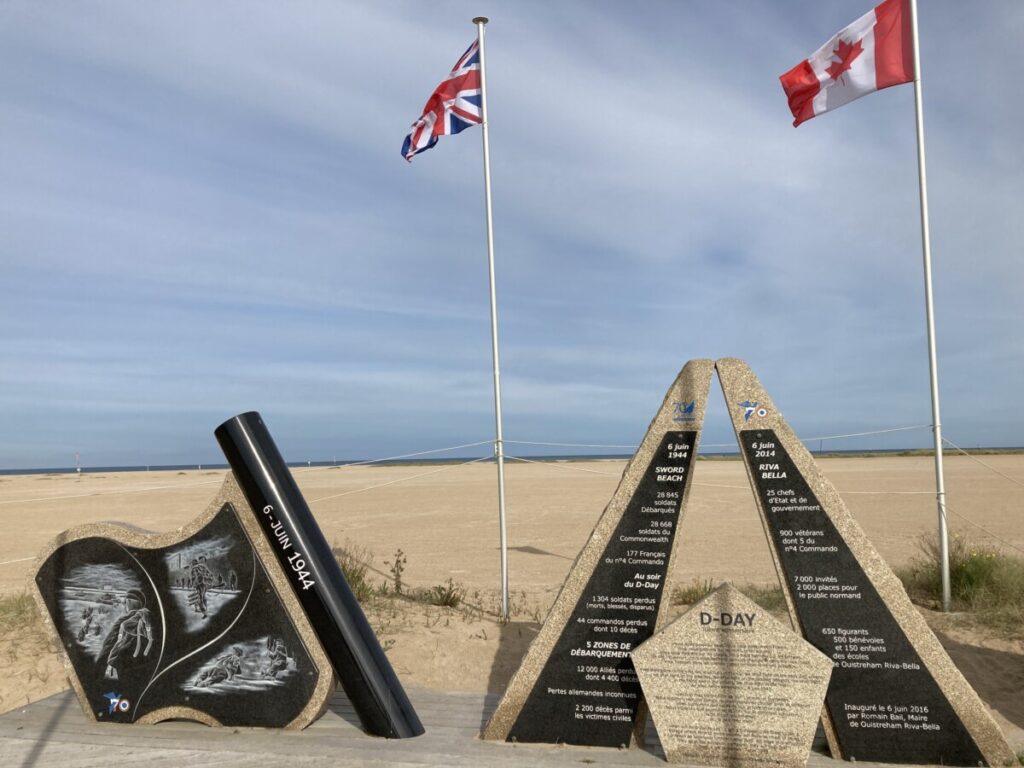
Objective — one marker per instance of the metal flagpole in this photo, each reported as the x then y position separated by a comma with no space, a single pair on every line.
940,490
499,450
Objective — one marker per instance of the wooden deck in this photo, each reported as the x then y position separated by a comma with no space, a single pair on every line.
54,733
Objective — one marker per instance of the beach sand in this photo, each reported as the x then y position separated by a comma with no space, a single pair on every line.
443,518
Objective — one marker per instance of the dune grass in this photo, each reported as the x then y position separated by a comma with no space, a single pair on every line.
984,581
17,612
768,597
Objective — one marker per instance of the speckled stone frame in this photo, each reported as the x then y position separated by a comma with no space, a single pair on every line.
881,596
228,502
683,409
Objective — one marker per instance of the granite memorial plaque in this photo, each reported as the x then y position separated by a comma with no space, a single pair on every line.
895,695
576,684
242,617
195,624
728,685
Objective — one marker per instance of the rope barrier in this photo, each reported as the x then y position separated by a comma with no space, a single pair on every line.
400,480
125,491
987,466
864,434
633,447
568,467
396,458
116,492
885,493
570,445
19,560
986,530
564,466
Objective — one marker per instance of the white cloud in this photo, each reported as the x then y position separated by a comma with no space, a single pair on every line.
205,211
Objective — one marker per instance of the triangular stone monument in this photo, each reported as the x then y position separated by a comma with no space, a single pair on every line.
895,695
728,685
577,684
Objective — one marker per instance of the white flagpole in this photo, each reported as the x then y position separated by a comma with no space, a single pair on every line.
940,490
499,450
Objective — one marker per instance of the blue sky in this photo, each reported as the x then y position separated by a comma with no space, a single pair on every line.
205,211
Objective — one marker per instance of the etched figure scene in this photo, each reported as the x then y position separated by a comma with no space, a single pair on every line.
105,613
245,666
202,579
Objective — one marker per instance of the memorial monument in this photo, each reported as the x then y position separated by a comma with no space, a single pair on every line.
728,685
236,619
197,623
895,695
576,684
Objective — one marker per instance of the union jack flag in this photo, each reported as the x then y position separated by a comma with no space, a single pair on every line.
454,105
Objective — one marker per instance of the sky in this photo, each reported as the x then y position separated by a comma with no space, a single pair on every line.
205,211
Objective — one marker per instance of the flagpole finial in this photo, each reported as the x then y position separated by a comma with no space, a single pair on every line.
480,20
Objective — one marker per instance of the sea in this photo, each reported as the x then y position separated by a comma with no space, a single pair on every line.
465,459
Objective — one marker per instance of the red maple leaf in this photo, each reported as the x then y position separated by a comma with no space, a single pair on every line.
845,52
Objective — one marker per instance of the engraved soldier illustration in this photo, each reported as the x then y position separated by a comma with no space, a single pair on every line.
276,659
223,669
124,642
201,578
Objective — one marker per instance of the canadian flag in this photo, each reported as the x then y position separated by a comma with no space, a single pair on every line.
874,52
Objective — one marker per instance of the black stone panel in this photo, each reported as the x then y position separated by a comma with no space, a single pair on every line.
196,624
884,703
588,692
316,579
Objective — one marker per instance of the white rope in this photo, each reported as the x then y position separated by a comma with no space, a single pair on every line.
399,457
19,560
116,492
396,458
863,434
885,493
987,466
570,445
986,530
562,465
833,437
842,493
125,491
400,479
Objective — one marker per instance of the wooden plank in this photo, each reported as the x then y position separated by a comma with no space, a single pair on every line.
53,733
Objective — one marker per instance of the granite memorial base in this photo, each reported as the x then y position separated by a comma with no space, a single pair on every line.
576,684
728,685
195,624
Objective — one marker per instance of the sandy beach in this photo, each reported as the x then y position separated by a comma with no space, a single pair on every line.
443,518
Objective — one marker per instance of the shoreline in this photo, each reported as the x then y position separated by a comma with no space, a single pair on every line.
545,458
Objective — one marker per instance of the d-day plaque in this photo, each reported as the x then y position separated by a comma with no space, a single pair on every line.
577,684
728,685
895,695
